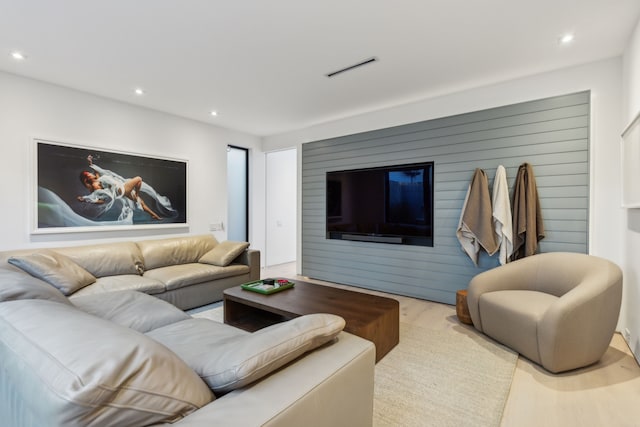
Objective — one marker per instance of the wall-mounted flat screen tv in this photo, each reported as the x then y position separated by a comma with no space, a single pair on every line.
390,204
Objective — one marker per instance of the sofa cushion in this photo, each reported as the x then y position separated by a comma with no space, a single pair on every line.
107,259
56,269
76,369
180,275
132,309
197,330
224,253
16,285
176,250
124,282
241,359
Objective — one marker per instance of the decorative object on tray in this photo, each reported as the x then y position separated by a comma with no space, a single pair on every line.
268,286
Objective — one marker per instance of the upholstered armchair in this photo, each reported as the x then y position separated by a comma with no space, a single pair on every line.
557,309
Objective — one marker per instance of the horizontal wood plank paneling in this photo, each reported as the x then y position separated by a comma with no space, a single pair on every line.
552,134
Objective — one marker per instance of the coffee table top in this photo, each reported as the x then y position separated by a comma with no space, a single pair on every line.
369,316
309,298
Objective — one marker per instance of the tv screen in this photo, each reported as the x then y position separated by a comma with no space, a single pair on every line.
391,204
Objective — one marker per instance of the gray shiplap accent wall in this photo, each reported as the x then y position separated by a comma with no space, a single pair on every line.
552,134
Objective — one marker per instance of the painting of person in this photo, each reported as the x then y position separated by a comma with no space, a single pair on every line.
79,187
106,187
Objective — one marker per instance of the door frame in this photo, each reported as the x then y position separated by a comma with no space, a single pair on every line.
246,214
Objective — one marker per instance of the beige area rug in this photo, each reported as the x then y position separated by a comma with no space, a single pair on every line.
211,311
454,377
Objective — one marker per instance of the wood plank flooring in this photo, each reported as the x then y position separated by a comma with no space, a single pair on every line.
604,394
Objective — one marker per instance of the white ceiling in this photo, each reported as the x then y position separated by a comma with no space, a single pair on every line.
262,64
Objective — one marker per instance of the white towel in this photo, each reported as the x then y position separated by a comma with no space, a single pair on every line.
502,214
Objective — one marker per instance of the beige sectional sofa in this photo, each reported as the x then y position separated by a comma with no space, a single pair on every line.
129,358
172,269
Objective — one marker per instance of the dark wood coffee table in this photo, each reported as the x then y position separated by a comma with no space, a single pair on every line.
372,317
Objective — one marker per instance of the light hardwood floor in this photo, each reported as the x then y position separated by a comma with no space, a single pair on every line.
604,394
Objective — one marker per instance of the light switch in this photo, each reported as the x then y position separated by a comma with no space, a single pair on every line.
216,226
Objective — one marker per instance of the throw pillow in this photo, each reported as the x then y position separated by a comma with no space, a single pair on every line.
228,363
56,269
224,253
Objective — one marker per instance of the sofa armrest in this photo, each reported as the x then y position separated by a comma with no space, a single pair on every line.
577,329
250,257
331,386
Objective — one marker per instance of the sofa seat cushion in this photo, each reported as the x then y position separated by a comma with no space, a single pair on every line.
178,276
56,269
75,369
240,359
512,317
124,282
16,285
135,310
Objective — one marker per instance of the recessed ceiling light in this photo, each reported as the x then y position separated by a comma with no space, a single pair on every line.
567,38
18,56
213,113
139,91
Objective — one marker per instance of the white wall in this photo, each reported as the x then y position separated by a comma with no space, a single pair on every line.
603,78
630,318
29,108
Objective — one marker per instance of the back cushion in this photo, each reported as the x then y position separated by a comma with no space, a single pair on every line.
75,369
17,285
177,250
558,273
236,361
107,259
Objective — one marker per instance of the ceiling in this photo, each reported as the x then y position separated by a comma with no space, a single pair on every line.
262,65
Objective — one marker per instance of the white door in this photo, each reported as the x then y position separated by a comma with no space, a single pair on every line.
281,206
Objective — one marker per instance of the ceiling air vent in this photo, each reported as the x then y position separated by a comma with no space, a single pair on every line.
352,67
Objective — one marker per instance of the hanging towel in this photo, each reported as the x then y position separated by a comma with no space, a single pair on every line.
528,228
475,228
502,223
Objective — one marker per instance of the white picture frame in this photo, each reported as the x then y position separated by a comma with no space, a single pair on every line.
127,190
630,158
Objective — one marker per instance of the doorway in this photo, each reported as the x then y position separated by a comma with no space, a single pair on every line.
238,194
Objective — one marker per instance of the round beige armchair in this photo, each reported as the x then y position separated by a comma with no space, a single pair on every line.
557,309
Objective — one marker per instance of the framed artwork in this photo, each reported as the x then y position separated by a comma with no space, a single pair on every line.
80,188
